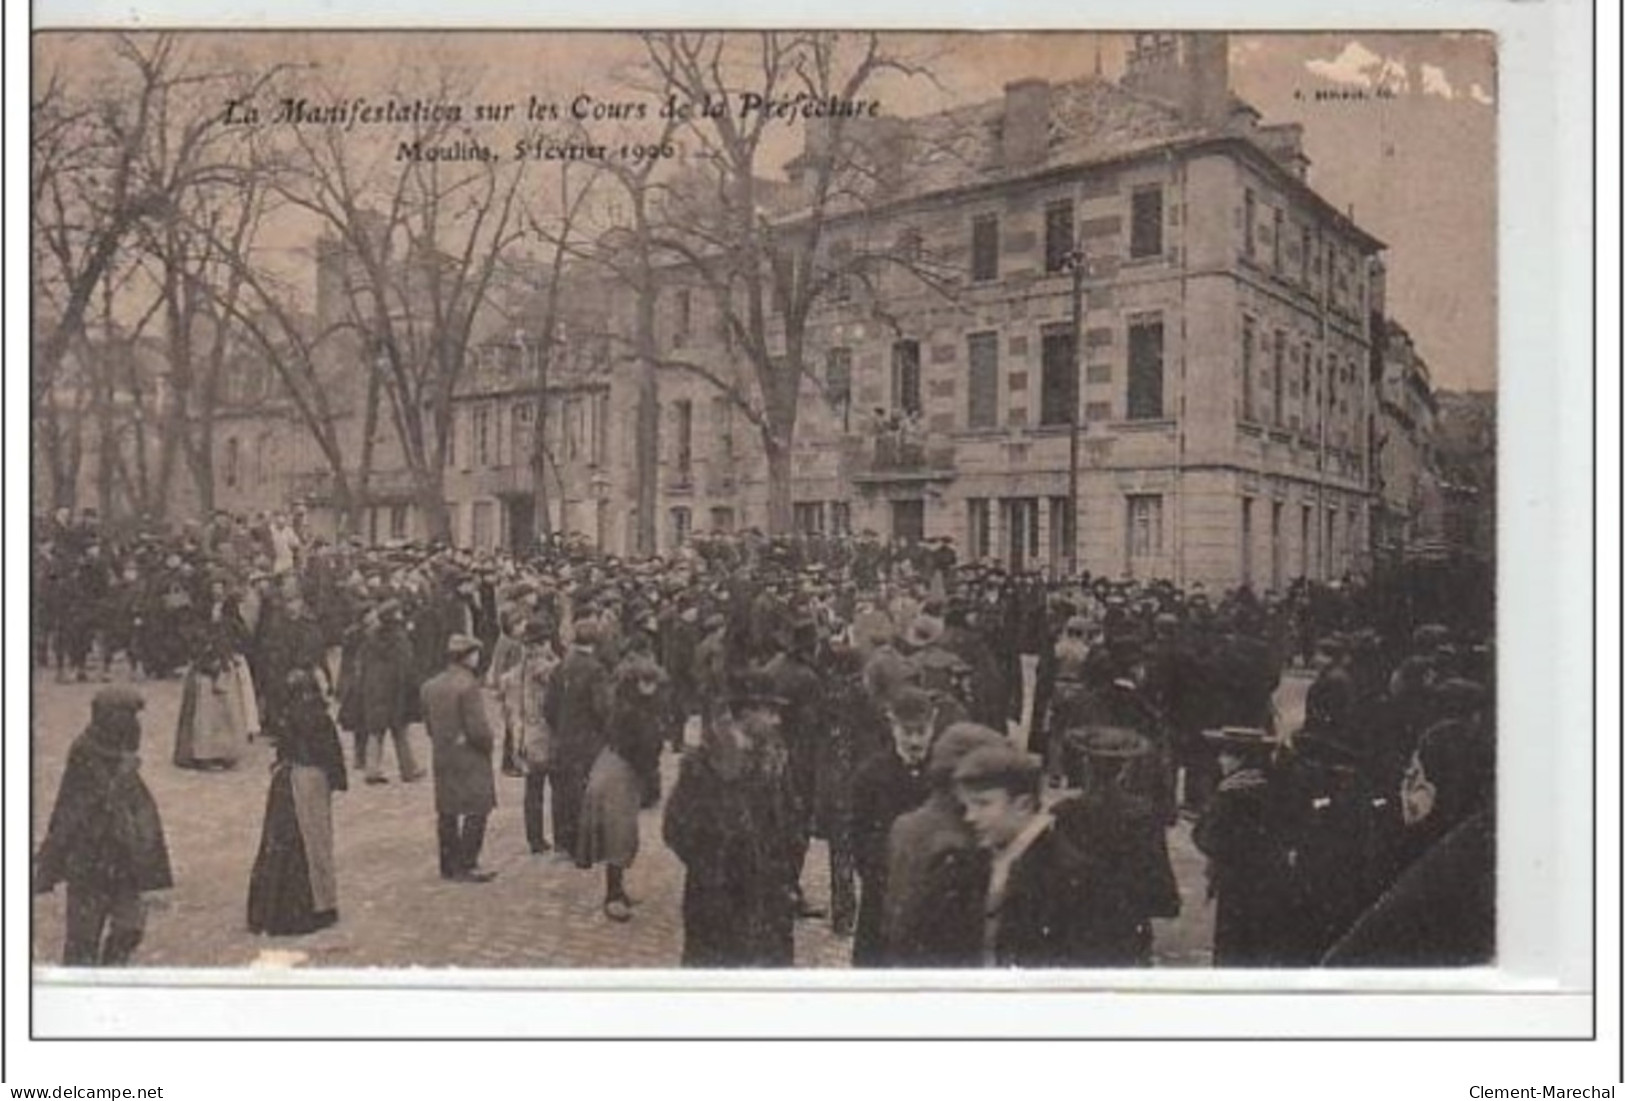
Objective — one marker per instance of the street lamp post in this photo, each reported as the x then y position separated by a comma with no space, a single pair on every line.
1078,261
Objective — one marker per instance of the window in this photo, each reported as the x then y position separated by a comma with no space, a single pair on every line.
1061,537
905,376
397,521
838,385
1145,228
683,439
809,517
910,245
685,316
1329,551
1305,537
722,519
984,248
1277,237
840,258
1277,561
1304,393
452,427
1145,370
233,461
840,517
261,445
908,521
979,527
722,429
1058,236
519,433
1247,541
1249,349
1144,527
983,391
1058,397
600,428
1304,246
682,525
482,437
1249,225
1278,379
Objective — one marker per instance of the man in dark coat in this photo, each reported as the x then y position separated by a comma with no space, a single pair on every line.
385,683
887,784
463,739
575,707
936,877
105,837
806,723
1249,876
730,821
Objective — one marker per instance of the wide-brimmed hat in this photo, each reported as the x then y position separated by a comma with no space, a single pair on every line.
926,630
460,644
755,689
1119,743
1244,739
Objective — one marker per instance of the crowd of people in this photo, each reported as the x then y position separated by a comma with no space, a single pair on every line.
994,760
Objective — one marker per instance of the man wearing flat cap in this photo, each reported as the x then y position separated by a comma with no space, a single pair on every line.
1037,891
463,739
105,838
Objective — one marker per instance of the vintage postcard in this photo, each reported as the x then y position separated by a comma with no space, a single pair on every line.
723,501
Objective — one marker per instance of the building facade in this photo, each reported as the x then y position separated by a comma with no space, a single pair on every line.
1225,346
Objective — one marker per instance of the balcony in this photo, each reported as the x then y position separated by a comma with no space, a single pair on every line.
315,487
893,458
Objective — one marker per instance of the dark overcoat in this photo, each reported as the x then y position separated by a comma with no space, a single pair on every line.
461,735
882,789
1052,914
105,833
386,684
936,885
730,821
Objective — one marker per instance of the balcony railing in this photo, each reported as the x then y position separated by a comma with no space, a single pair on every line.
898,457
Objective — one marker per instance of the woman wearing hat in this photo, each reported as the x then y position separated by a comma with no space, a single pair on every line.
615,788
294,886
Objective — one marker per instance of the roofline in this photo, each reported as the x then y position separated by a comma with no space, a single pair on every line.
1230,143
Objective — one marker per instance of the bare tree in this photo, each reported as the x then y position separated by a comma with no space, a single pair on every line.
755,244
419,238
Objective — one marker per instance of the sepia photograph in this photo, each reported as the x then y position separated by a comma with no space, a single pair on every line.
733,499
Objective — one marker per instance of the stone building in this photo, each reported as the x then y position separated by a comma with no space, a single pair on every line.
1407,500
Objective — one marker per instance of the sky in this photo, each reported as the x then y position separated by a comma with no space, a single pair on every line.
1416,165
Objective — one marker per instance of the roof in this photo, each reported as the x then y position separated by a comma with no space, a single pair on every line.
1092,121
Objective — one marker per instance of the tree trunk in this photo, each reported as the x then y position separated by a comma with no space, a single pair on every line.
780,514
432,500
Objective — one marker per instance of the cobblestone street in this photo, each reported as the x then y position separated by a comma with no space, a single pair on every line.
394,910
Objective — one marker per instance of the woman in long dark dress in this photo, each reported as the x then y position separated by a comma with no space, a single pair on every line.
294,888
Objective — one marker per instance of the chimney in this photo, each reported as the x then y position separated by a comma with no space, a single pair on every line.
1189,72
1284,142
1026,123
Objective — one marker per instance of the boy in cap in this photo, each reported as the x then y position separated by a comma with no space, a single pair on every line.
1037,893
105,837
